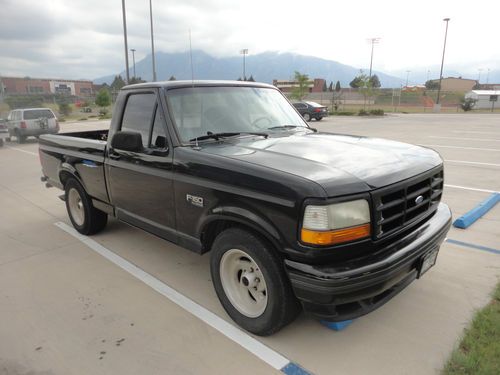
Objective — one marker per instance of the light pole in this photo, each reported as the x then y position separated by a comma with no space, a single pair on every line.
373,41
407,75
428,74
442,60
244,52
479,75
152,40
133,59
125,40
488,76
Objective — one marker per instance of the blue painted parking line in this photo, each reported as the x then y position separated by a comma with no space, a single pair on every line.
471,245
294,369
470,217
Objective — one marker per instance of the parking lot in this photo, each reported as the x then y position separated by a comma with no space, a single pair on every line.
66,309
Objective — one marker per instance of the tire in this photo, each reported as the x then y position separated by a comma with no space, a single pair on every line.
307,117
319,118
83,215
242,260
20,138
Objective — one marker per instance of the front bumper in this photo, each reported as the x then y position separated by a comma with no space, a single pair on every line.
347,290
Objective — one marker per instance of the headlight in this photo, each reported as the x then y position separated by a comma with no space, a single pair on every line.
336,223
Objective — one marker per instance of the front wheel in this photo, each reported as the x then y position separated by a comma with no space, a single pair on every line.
319,118
83,215
307,117
250,282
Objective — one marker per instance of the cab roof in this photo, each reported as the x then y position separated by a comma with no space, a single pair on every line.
196,83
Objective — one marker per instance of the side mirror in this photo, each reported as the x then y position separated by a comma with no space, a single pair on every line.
127,141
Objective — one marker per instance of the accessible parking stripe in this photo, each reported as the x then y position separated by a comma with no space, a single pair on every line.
473,246
266,354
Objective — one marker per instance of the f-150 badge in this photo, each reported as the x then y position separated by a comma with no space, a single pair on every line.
194,200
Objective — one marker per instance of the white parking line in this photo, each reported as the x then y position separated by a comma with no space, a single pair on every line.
474,132
462,148
472,162
21,150
470,188
268,355
465,138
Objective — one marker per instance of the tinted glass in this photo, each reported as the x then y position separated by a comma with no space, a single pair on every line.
158,137
198,110
138,115
33,114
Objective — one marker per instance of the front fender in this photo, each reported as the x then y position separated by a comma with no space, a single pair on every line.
243,216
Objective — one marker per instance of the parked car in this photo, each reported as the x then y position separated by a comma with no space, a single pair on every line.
23,123
310,110
335,224
4,132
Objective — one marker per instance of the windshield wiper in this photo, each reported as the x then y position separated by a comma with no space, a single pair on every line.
217,136
286,127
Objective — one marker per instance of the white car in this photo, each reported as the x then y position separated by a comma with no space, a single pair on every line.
23,123
4,132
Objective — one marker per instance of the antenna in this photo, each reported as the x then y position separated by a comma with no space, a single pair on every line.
191,58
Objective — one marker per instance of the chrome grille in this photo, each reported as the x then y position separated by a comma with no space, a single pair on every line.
404,203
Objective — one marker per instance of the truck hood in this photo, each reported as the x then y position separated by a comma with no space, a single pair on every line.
341,164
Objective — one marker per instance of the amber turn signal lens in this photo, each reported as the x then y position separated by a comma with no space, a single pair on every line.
335,236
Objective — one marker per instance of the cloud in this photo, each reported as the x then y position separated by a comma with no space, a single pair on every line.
84,38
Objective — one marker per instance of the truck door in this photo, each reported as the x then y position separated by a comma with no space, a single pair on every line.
140,184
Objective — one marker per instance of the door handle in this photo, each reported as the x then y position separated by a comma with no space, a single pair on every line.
114,156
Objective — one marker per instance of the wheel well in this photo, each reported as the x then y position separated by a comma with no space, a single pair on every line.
216,227
64,176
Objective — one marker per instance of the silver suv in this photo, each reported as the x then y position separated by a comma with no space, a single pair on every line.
23,123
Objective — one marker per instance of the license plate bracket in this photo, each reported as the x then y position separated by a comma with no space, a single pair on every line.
427,261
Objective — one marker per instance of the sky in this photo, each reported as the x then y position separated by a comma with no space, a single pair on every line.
84,38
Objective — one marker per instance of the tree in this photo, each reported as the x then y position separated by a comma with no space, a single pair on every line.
172,78
375,81
117,83
432,84
251,79
355,83
330,88
337,86
300,91
64,109
324,86
135,80
103,98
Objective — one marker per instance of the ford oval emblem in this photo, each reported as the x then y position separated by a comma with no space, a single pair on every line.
419,199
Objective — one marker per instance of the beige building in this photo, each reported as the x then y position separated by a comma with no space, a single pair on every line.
457,84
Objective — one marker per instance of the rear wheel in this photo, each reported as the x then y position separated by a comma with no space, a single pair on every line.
20,138
307,117
319,118
251,284
83,215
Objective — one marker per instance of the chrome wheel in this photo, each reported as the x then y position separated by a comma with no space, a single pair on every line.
76,208
243,283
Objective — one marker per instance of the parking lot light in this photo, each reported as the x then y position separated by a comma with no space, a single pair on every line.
442,60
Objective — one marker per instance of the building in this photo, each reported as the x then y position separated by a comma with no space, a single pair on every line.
485,99
27,85
314,85
456,84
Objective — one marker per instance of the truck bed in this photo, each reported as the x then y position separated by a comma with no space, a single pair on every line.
83,151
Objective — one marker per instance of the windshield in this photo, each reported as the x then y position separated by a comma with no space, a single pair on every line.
34,114
201,110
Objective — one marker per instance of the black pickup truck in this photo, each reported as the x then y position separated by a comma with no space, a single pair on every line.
294,218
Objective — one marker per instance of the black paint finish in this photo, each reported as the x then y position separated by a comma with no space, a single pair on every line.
260,183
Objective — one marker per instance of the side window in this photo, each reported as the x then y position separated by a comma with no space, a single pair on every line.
139,114
158,136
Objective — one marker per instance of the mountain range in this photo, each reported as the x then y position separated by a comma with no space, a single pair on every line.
263,67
